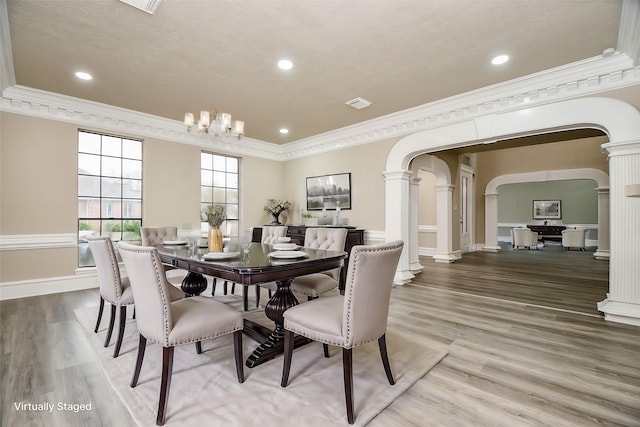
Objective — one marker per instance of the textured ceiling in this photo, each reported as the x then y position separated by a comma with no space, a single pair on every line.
222,54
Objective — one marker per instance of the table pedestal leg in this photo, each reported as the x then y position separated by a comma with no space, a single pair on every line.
282,300
193,284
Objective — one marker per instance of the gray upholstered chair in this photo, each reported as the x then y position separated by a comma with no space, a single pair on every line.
270,235
114,288
312,285
154,236
350,320
573,238
523,237
190,320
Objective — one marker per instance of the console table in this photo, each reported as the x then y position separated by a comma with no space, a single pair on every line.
355,236
549,232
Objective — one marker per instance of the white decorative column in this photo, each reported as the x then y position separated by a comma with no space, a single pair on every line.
491,222
603,250
413,242
444,199
397,223
623,300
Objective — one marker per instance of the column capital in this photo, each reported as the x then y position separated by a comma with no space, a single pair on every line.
403,175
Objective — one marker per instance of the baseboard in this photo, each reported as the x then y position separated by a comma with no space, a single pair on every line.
49,285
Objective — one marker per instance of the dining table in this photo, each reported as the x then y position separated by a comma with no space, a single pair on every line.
253,264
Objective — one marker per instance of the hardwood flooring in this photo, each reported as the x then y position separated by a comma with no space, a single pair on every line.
526,348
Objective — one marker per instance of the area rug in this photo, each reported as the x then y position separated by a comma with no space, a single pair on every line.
205,390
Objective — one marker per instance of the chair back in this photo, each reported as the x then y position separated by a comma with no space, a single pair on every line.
368,290
573,238
149,285
331,239
270,233
107,266
153,236
524,237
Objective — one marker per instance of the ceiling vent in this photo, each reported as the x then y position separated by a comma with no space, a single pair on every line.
358,103
149,6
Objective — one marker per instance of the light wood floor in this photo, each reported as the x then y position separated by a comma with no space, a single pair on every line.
511,361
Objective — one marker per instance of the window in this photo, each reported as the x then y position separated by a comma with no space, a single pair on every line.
109,190
219,178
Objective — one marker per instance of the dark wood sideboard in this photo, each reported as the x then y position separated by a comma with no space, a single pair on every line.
547,232
355,236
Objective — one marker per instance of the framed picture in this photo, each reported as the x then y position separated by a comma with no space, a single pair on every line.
329,192
547,209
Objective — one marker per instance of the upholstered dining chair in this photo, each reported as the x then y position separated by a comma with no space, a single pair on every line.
350,320
574,238
270,235
114,288
312,285
190,320
155,236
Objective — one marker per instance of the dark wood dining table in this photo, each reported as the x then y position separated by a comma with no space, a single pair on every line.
253,268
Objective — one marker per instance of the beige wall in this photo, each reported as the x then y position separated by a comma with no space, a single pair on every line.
427,208
38,180
366,164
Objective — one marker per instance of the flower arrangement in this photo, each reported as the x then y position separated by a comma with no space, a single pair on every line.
276,207
214,215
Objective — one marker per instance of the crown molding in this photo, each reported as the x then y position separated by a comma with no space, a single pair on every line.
578,79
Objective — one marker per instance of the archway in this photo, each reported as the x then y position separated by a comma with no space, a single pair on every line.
491,202
619,120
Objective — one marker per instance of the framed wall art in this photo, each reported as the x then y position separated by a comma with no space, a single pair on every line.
547,209
329,192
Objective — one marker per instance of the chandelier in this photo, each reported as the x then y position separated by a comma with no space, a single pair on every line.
215,123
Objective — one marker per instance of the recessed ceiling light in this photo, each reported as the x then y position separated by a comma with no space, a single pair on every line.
84,76
285,64
500,59
284,131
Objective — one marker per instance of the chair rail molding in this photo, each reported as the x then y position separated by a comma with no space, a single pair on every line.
619,120
38,241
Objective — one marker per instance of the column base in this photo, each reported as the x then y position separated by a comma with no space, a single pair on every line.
601,254
621,312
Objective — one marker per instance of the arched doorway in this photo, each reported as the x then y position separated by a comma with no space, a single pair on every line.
620,121
491,202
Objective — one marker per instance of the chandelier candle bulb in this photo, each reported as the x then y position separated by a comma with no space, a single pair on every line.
188,120
205,119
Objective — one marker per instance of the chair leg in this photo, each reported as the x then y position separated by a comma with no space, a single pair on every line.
288,354
237,350
99,314
270,293
213,287
347,367
111,322
123,319
142,345
382,343
233,287
165,383
199,347
245,297
325,348
134,312
224,287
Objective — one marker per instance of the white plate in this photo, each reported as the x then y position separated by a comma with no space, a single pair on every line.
219,255
288,254
283,239
285,246
174,242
